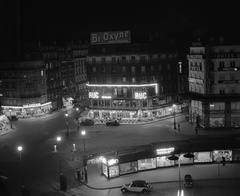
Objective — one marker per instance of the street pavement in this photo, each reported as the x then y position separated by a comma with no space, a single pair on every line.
165,177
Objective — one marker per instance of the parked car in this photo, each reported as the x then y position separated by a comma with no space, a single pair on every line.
112,123
140,186
87,122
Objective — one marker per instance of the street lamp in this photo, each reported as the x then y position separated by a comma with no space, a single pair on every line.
67,133
63,181
60,165
174,158
174,116
10,119
84,157
20,158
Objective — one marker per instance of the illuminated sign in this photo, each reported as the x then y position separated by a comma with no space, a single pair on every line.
93,95
140,95
106,97
113,37
31,105
125,85
112,161
163,151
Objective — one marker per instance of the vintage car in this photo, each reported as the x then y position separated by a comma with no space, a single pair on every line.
140,186
112,123
87,122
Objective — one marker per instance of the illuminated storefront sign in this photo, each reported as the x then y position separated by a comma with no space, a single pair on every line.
113,37
93,95
125,85
163,151
140,95
106,97
31,105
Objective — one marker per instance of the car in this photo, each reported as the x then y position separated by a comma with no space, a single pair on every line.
112,123
140,186
87,122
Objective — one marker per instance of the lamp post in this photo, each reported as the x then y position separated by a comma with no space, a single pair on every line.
67,133
84,157
21,173
174,157
10,119
63,181
60,165
174,116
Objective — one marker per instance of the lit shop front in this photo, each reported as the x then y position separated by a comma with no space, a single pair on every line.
117,165
126,101
28,110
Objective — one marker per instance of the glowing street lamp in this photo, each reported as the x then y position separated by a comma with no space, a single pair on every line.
10,118
83,133
174,116
20,158
174,158
60,165
67,133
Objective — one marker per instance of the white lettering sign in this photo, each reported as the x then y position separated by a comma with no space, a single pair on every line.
140,95
93,95
163,151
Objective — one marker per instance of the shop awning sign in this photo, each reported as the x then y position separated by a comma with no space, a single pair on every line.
163,151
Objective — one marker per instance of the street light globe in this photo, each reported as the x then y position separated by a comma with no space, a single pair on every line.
19,148
66,114
59,139
77,109
174,105
83,132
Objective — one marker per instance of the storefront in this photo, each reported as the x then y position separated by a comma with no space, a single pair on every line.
117,165
29,110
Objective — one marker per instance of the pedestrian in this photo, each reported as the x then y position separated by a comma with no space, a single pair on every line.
223,161
196,130
178,127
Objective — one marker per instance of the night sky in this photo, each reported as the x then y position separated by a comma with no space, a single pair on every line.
76,19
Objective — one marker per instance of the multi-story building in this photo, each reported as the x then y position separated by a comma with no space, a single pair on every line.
23,84
42,77
131,80
214,83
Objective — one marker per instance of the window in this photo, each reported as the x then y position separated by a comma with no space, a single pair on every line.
232,89
221,64
232,77
133,80
160,67
143,79
114,69
142,58
212,66
94,70
103,70
168,66
152,68
143,69
123,58
114,59
221,76
232,64
94,60
123,69
153,79
124,79
133,58
133,69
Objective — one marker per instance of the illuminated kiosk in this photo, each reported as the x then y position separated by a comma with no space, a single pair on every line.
115,165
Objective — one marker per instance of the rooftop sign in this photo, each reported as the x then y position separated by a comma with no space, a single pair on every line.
113,37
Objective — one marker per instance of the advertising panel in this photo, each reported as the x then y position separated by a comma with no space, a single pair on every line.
218,154
145,164
105,170
163,161
202,157
113,37
113,171
129,167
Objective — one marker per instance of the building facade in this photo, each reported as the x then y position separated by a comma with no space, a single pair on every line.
132,80
214,88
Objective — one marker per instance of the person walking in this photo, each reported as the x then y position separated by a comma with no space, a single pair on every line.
196,130
223,161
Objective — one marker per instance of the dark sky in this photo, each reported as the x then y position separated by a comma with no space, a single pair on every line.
75,19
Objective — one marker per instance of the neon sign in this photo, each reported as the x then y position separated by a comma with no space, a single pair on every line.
140,95
163,151
93,95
